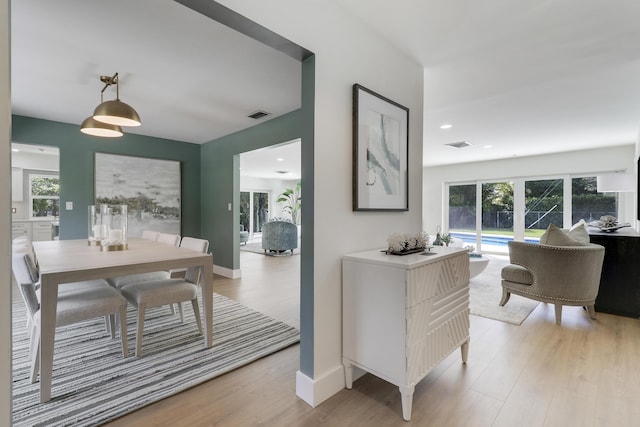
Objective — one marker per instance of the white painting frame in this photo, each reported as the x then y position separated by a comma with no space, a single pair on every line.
151,188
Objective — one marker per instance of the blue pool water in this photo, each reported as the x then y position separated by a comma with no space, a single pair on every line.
489,239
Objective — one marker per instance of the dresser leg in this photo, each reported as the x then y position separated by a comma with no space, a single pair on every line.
464,349
348,374
407,401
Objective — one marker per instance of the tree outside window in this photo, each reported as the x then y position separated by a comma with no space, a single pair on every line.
44,195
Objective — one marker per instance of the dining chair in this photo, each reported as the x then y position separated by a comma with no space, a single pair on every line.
169,239
120,281
156,293
150,235
79,301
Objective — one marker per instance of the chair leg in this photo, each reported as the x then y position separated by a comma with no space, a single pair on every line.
111,322
196,312
505,297
107,326
35,355
592,311
140,326
122,319
181,312
558,313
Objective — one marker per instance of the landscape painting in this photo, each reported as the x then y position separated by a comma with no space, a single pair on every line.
149,187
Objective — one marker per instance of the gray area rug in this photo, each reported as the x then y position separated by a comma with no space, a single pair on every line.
93,384
486,293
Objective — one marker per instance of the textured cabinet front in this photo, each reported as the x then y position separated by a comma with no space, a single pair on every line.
401,317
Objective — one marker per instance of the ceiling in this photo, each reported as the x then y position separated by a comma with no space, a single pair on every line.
524,78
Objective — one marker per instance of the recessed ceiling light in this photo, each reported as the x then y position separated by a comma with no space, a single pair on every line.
460,144
446,126
280,159
487,146
15,150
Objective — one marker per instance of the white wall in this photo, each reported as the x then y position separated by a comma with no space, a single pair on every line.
5,218
577,162
347,52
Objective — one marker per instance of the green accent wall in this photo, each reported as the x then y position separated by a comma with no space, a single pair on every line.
77,167
308,183
221,182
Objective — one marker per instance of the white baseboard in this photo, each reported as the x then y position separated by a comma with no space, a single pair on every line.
314,392
227,272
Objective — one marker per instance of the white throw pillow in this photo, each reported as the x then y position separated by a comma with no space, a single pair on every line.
555,236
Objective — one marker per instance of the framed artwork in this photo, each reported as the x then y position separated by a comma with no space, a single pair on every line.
149,187
380,152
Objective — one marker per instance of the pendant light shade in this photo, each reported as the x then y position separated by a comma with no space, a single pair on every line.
96,128
116,113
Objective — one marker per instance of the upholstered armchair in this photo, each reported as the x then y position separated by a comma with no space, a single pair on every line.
279,236
560,275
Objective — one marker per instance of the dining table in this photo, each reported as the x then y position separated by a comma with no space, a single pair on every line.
68,261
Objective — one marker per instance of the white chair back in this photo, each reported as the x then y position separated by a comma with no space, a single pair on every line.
150,235
199,245
169,239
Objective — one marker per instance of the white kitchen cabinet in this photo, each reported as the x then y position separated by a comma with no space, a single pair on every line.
17,187
402,315
41,230
20,229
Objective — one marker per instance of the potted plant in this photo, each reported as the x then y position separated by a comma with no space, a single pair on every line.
292,199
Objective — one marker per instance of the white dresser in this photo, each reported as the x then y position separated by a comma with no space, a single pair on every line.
402,315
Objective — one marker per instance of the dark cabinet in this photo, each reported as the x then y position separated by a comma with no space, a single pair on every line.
620,280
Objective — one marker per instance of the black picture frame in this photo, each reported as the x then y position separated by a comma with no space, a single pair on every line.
380,152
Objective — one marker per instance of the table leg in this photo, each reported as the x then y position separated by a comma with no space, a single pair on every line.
207,302
48,307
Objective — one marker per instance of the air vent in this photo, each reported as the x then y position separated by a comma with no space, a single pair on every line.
460,144
258,115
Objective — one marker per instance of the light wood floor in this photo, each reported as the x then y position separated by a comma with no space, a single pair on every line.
584,373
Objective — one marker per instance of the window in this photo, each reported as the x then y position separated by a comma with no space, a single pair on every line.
588,204
44,195
507,214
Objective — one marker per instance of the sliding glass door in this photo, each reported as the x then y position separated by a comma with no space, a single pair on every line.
544,205
522,209
260,210
462,212
254,210
497,216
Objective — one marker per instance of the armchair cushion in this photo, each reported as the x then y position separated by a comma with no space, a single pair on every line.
517,274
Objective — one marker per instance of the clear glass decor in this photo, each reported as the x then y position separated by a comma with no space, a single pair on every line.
114,217
97,229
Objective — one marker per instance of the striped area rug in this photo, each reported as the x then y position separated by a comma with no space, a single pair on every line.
93,384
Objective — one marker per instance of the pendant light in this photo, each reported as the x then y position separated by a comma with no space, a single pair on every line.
90,126
115,112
